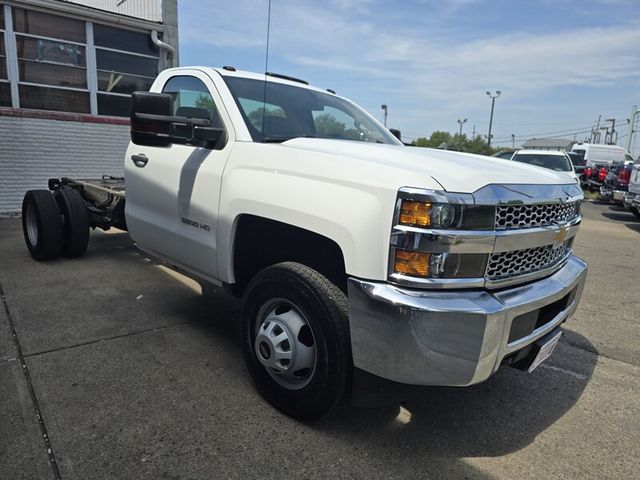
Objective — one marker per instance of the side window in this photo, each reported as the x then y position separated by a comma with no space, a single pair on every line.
191,98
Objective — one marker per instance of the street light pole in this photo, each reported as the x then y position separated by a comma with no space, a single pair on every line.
385,110
461,122
513,141
493,102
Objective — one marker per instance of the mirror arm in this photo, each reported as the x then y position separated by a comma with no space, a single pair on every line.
189,121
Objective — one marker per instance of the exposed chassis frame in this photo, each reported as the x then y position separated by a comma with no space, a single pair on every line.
104,199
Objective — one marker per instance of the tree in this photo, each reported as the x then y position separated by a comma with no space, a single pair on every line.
327,126
441,139
256,116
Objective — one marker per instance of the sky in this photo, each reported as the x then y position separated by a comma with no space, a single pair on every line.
559,64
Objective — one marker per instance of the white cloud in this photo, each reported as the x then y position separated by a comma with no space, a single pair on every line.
426,70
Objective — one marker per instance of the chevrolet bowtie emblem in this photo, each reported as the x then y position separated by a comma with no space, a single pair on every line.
561,235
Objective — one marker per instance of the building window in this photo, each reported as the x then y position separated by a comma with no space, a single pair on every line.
52,65
5,88
126,61
46,25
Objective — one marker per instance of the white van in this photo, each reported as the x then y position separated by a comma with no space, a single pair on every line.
597,154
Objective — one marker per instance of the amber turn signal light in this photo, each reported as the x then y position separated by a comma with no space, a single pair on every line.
415,213
412,263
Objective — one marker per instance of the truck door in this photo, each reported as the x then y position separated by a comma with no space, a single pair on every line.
173,193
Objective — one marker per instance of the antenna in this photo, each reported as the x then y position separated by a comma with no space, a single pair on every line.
266,69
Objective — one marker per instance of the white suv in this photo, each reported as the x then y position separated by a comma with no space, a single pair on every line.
551,159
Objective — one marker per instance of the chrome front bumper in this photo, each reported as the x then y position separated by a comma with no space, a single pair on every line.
453,338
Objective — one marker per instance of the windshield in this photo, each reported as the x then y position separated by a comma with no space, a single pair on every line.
577,160
277,112
558,162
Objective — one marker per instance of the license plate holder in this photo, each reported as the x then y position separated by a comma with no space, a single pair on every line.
546,347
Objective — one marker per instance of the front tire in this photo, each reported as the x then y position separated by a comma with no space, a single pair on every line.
41,224
296,343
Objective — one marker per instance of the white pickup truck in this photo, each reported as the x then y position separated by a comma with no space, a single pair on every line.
363,264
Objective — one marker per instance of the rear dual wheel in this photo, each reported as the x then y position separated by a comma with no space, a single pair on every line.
55,224
296,340
41,224
75,222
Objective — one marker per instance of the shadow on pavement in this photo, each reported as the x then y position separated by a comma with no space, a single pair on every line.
500,416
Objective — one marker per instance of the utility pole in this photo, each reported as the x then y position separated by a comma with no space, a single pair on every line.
613,130
461,122
493,102
632,126
473,133
385,110
606,134
513,141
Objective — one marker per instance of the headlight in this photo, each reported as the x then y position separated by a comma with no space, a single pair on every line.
442,211
424,218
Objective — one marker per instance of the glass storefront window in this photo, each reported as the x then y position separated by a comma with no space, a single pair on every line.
3,55
5,95
119,83
46,25
125,40
123,63
44,98
51,59
53,51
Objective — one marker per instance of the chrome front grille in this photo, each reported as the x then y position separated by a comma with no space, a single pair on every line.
530,216
521,262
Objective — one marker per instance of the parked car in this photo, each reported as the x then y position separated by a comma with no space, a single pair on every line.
506,154
616,183
593,177
551,159
578,161
632,197
360,262
601,155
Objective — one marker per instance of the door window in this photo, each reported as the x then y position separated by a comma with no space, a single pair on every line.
191,98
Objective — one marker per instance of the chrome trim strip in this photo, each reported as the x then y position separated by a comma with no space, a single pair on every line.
436,241
519,194
436,283
510,240
495,194
481,241
448,283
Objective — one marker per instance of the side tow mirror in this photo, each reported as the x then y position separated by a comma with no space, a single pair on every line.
148,127
396,133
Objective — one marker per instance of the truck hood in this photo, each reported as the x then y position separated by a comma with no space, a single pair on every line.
454,171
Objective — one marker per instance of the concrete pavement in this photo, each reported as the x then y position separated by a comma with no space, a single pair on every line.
135,374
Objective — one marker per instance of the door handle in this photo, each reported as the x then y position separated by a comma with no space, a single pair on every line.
139,160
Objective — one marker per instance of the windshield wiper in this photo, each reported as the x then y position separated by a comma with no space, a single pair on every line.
283,138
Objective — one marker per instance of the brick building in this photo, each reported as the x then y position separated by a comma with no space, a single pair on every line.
67,69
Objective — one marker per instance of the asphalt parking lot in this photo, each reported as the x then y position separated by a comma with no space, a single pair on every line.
130,372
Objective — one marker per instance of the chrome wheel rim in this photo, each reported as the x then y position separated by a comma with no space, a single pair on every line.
284,344
31,223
